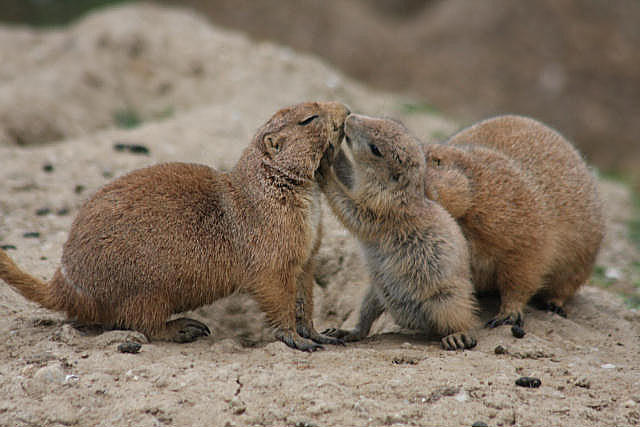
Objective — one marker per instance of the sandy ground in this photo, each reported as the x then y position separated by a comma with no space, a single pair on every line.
52,373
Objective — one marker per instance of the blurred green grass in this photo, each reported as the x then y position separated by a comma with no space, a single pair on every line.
127,118
48,13
634,235
599,278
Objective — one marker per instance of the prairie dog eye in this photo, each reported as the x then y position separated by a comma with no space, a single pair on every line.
435,162
374,150
308,120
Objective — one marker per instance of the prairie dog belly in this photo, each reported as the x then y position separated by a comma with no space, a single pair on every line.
401,296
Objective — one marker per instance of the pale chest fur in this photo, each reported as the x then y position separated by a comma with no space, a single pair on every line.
292,231
403,288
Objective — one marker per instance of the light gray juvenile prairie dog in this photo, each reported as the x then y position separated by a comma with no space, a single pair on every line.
176,236
415,252
528,206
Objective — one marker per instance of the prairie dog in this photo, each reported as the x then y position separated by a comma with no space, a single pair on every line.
173,237
528,206
416,254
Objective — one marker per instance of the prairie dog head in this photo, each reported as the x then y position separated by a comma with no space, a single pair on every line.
295,138
445,180
387,160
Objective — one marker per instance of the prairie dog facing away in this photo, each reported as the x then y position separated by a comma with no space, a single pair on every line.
173,237
527,204
416,254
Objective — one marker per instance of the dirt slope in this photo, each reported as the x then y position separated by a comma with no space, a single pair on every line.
53,374
572,63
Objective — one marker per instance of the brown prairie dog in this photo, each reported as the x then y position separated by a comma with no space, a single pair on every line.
528,206
415,252
173,237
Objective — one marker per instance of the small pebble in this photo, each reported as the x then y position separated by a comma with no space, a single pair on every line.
51,374
47,167
608,366
62,212
530,382
138,149
462,396
584,383
479,424
404,361
238,406
31,234
129,347
517,331
500,350
7,247
71,379
43,211
132,148
612,273
79,188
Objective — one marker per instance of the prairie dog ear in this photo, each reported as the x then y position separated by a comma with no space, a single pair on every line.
273,144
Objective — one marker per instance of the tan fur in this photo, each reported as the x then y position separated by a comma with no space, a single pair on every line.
416,254
528,205
173,237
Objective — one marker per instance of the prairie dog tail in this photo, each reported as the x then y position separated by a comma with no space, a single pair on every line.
28,286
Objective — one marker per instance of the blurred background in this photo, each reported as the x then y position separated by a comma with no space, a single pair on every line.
574,64
171,74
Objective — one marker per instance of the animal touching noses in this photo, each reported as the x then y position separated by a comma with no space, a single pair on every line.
343,114
335,109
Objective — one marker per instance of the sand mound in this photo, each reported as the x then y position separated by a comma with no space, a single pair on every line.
143,63
571,63
54,374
